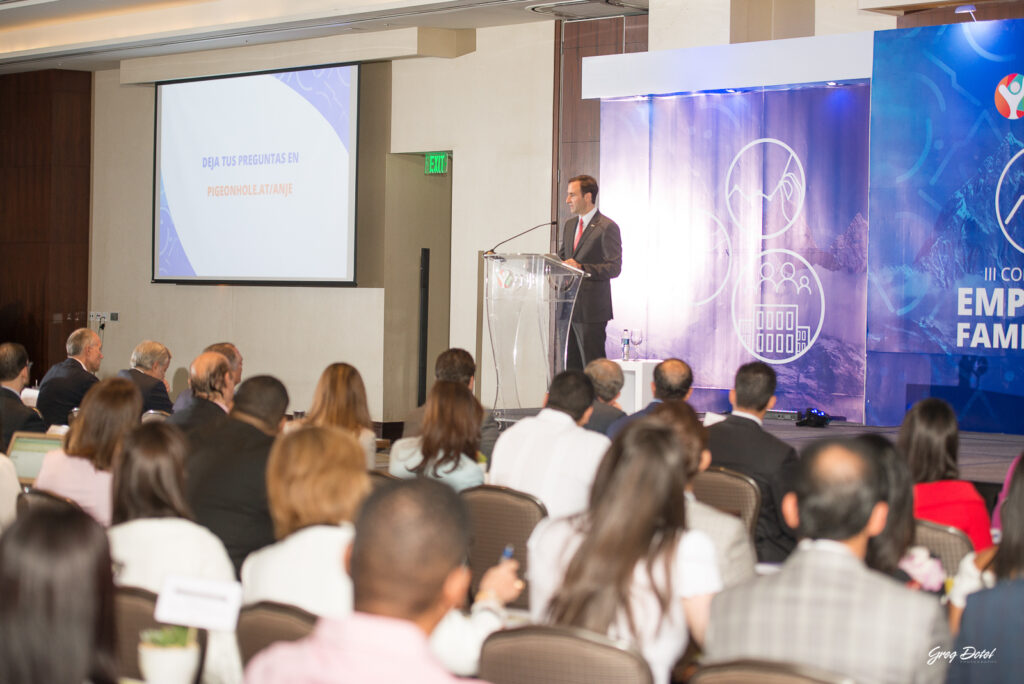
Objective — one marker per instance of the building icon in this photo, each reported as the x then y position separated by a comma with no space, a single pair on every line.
774,330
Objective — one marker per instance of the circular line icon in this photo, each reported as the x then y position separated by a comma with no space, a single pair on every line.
1016,212
790,187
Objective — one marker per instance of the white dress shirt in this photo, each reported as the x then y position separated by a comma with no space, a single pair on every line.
550,457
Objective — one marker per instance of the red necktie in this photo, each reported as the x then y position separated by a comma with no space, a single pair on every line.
579,234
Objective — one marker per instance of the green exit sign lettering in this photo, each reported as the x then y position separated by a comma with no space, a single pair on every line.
435,163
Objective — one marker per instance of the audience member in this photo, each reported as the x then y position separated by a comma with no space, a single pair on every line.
1002,563
226,483
340,401
455,365
153,535
628,567
10,488
673,381
150,361
447,449
213,390
734,550
825,608
930,439
549,455
316,479
997,518
14,415
81,469
234,357
57,611
988,646
65,384
608,380
741,443
407,568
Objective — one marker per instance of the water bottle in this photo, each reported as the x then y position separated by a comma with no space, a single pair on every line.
625,345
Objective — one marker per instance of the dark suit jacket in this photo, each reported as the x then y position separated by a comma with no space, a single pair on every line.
617,426
15,416
200,413
62,389
993,621
226,485
603,416
600,255
154,393
413,427
743,445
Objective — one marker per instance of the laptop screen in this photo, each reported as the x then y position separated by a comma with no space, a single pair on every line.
27,450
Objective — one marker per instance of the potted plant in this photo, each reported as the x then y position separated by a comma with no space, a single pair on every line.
169,655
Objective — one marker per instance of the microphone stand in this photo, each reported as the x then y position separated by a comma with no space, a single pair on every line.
490,252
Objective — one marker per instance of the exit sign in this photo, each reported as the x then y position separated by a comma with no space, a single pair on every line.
435,163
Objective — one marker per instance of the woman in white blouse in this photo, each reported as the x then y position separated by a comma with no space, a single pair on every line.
340,401
628,567
153,535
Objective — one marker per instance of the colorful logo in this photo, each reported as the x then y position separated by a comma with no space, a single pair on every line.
1009,96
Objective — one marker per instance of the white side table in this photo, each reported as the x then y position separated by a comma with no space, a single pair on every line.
636,390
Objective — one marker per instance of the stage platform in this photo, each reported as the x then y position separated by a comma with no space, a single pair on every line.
984,457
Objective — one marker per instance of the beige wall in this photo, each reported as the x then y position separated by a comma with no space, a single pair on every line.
688,23
290,332
493,109
842,16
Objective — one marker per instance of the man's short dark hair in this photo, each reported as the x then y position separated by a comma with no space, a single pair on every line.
587,184
672,380
571,392
607,378
755,385
410,535
263,397
837,484
455,365
13,358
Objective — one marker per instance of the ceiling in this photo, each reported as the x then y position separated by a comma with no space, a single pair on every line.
97,34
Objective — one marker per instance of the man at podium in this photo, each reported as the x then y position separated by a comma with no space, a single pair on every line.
590,242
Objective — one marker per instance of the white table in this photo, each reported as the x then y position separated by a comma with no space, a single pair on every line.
636,390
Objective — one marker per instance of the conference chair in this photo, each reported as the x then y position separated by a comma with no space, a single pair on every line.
500,516
153,415
36,498
560,655
266,623
378,478
133,612
731,492
947,543
765,672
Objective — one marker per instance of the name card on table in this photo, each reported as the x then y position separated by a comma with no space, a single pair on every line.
203,603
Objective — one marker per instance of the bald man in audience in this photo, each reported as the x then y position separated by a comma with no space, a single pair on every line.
407,564
150,361
608,380
213,389
66,383
673,381
234,358
226,482
14,415
825,608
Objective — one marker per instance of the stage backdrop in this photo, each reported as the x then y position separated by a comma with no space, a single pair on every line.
947,223
744,230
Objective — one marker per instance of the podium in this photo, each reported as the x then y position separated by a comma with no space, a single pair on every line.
529,300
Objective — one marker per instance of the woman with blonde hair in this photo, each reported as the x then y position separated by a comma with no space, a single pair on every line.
340,401
81,469
316,480
448,446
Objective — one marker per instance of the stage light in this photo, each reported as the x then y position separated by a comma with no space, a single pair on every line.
812,418
831,83
966,9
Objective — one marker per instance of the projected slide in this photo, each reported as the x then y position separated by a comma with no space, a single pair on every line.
256,178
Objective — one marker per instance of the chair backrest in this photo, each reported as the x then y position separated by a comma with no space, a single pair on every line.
947,543
499,516
153,415
133,610
378,478
559,655
264,623
765,672
731,492
35,498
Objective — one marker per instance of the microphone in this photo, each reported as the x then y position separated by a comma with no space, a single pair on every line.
539,225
